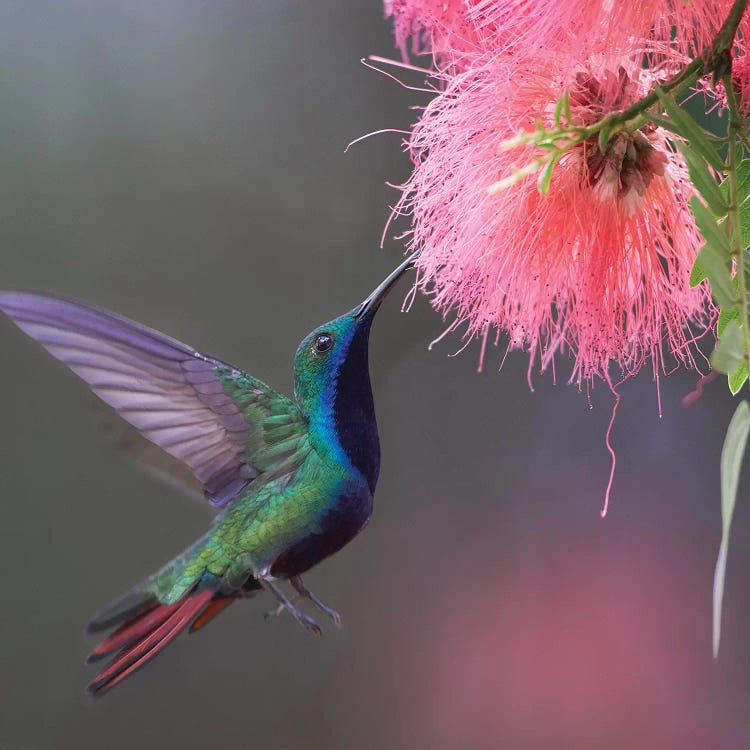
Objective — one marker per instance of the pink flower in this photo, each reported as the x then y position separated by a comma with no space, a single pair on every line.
715,93
741,81
439,27
577,28
599,265
590,26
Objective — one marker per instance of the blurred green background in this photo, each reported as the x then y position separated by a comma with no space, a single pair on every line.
183,163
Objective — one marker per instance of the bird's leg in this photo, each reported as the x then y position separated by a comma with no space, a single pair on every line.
305,593
279,608
276,611
286,604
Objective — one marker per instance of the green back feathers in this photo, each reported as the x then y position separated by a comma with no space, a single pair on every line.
277,439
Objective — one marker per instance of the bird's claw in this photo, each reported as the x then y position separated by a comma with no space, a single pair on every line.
307,622
305,593
332,613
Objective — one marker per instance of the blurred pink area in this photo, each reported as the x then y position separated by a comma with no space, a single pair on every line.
572,650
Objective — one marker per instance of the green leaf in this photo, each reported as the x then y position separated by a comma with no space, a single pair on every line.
667,124
743,182
731,463
713,266
713,233
566,106
562,107
546,174
730,350
737,378
663,122
745,223
704,181
743,198
697,272
604,134
726,316
689,129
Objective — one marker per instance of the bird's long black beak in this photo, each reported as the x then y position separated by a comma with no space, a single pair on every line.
370,306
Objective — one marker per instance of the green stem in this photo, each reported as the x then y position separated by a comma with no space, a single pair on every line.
734,146
725,37
705,63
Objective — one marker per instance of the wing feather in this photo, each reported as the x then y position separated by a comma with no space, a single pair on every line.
199,409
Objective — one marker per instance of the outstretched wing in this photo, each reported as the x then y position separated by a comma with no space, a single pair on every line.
129,442
223,424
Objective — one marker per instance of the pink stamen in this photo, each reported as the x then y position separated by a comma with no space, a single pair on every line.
613,466
374,132
697,392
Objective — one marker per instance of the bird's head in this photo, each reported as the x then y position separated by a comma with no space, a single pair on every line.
331,363
332,384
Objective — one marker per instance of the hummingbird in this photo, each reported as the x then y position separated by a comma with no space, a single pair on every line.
293,478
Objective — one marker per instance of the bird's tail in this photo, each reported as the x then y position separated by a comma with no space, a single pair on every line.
150,616
148,631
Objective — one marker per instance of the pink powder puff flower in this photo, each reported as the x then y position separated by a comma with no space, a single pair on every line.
599,265
575,29
591,26
741,81
715,93
438,27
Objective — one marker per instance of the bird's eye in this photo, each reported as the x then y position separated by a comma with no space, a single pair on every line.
323,342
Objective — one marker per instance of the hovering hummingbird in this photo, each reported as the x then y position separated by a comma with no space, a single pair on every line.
294,478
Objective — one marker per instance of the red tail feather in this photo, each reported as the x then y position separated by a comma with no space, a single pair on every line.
136,628
215,606
152,631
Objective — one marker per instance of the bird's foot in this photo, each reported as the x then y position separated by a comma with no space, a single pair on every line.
307,622
290,606
303,619
305,593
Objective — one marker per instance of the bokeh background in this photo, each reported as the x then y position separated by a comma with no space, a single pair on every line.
183,163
